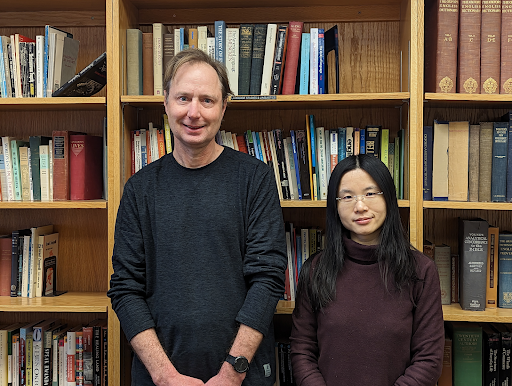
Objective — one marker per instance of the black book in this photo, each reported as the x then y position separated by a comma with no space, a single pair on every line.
504,354
372,141
332,65
244,62
87,82
283,173
303,163
492,347
279,60
258,57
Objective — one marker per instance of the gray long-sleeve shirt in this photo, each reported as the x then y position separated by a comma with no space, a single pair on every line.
198,251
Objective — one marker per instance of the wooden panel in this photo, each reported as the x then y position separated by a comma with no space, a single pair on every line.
62,18
305,217
51,5
178,4
88,204
82,263
53,104
473,114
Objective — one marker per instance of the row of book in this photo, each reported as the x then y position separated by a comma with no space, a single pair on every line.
477,354
468,162
28,262
261,59
67,165
480,275
51,352
37,67
468,47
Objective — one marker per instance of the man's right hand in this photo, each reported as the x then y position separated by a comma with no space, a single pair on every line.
179,380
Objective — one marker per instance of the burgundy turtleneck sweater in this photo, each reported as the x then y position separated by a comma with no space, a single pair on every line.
368,336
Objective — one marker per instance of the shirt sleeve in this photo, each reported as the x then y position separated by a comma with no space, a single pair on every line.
427,343
128,282
265,255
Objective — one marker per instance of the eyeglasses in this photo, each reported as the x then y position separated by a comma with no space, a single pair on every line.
348,199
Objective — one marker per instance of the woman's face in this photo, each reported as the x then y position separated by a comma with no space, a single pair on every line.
361,207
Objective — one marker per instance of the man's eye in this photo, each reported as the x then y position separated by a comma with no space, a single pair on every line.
182,98
207,100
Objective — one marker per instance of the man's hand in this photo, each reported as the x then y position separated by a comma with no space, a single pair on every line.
227,376
180,380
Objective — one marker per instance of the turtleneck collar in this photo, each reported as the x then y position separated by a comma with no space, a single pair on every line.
363,254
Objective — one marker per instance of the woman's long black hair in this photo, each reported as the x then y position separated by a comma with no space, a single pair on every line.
396,260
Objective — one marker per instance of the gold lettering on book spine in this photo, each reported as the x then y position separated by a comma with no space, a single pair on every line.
470,86
446,84
507,86
490,86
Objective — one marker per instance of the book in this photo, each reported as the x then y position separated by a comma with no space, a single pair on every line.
499,162
70,353
283,175
257,59
321,61
372,141
158,53
332,65
491,297
35,142
232,57
447,368
469,47
268,62
134,61
441,43
473,263
35,261
220,41
467,354
279,60
147,63
47,370
485,161
38,349
440,162
313,61
44,172
492,354
303,163
304,64
428,143
321,163
25,331
506,47
245,58
474,162
88,81
60,152
490,47
202,35
505,348
292,57
66,55
47,265
505,270
48,48
442,258
85,167
5,264
458,158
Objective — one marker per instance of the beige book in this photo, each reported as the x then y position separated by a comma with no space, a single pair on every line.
474,161
484,180
458,161
158,52
440,162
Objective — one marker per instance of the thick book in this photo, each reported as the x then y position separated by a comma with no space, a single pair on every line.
5,264
60,164
232,57
474,162
469,46
442,258
279,60
508,118
48,30
428,143
467,354
257,58
292,57
505,270
332,65
458,153
473,263
85,167
372,141
134,61
490,47
441,43
268,63
499,162
506,47
485,161
87,82
505,375
440,162
491,298
147,63
38,349
245,58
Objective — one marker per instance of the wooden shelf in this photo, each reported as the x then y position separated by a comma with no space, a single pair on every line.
467,205
68,302
454,313
79,104
323,204
91,204
285,307
465,100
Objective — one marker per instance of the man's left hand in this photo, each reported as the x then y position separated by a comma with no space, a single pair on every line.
227,376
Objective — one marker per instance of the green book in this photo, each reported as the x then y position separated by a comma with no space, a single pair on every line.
467,354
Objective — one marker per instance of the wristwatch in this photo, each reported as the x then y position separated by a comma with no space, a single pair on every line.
240,364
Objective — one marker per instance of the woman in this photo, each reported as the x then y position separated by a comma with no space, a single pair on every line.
368,309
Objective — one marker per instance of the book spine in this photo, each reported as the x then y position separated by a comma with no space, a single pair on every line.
134,61
60,165
304,64
509,161
505,271
158,35
458,160
232,57
490,47
3,73
492,268
499,162
285,186
292,57
321,162
279,60
474,165
220,41
321,62
296,161
268,62
258,57
313,62
244,73
469,46
506,47
147,63
303,164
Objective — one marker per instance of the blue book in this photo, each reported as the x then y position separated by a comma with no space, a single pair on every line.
505,270
312,134
428,146
296,160
362,141
499,161
220,41
298,250
3,79
508,118
342,143
47,30
304,64
35,163
182,39
321,62
257,145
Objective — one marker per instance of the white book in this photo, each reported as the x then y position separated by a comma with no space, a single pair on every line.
177,41
50,165
313,62
66,54
210,44
34,256
31,190
268,60
137,147
70,348
62,374
293,193
202,36
17,63
25,278
14,71
158,51
44,172
232,56
39,66
334,148
3,358
3,182
52,37
321,163
6,144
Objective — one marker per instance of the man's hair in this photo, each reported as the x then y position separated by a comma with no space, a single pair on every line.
194,55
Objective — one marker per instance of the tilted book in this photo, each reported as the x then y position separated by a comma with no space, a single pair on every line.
469,47
490,47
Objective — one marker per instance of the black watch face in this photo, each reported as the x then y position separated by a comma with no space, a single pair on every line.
241,364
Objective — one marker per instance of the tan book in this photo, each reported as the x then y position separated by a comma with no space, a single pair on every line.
147,63
484,180
474,161
442,258
446,378
193,38
506,47
24,173
441,43
492,268
490,47
428,249
469,46
158,40
458,160
440,162
133,61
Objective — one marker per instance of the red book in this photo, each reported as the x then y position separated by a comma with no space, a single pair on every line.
61,164
490,48
86,167
241,144
506,47
5,265
292,57
469,46
147,63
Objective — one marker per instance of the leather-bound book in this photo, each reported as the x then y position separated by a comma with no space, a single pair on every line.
506,47
469,47
490,47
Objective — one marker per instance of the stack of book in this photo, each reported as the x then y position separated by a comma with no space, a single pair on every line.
261,59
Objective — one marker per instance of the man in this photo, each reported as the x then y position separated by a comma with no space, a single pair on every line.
199,255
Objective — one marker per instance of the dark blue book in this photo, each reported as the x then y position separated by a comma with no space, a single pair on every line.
321,62
362,141
505,270
296,160
258,57
428,146
342,143
508,118
499,162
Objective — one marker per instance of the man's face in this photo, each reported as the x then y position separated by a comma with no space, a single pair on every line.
194,106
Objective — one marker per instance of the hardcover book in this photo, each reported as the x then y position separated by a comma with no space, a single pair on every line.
499,162
440,162
220,41
258,56
428,143
332,66
492,268
490,47
485,161
467,354
458,152
469,46
86,167
134,61
147,63
292,57
505,352
245,59
492,355
473,263
158,61
279,60
447,371
442,258
505,270
5,264
268,63
474,162
506,47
